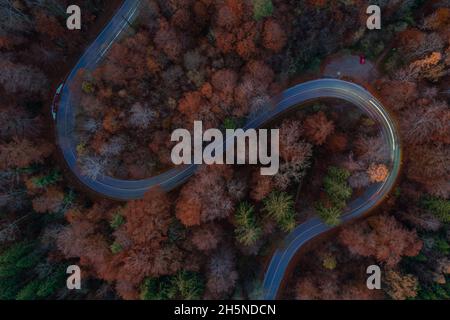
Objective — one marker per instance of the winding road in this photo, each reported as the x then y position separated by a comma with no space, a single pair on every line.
64,114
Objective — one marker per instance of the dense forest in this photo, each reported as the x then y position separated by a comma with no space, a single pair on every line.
221,62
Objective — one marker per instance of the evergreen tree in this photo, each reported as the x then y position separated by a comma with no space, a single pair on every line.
185,285
439,207
280,207
18,277
338,193
247,230
336,186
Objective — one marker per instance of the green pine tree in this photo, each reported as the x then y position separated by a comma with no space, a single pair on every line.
185,285
262,9
338,192
439,208
16,264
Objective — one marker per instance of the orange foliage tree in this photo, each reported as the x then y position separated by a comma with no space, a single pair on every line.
50,201
140,247
318,128
274,37
205,197
20,153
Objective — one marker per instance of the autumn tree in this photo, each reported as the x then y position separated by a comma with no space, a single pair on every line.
18,78
48,25
292,147
247,230
290,173
425,123
92,167
414,43
359,179
230,14
438,19
295,152
398,94
141,261
141,116
253,85
207,237
337,143
377,172
82,240
167,40
238,187
51,201
147,220
195,106
205,198
432,68
330,286
310,287
235,31
137,249
161,145
371,148
382,237
261,186
126,63
15,121
224,82
274,37
428,166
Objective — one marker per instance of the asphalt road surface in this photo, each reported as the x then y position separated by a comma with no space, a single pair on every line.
295,97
